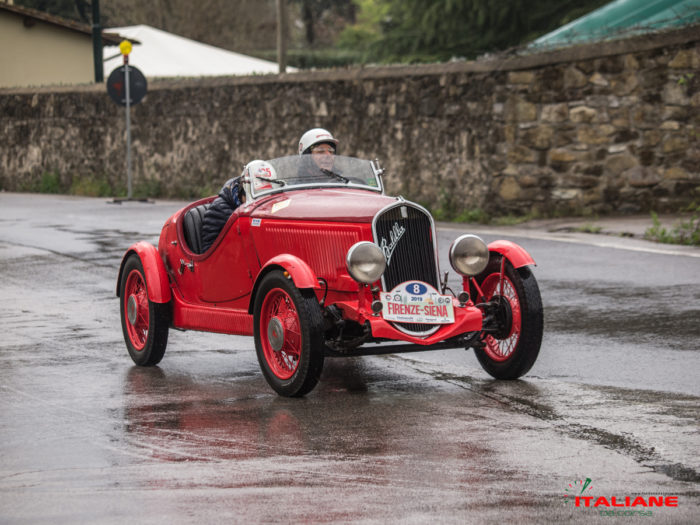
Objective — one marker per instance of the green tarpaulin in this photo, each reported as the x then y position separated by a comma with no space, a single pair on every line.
623,18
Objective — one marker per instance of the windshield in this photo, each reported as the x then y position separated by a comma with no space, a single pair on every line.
316,171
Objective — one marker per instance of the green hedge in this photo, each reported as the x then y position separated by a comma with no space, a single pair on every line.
315,59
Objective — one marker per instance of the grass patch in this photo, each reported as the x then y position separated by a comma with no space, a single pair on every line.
49,182
512,220
100,185
91,187
686,232
589,228
145,188
445,213
478,215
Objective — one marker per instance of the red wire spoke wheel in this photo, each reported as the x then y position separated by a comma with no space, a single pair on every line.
500,349
145,324
281,336
288,330
136,303
512,343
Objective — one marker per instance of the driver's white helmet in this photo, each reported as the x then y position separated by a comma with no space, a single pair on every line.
315,136
255,173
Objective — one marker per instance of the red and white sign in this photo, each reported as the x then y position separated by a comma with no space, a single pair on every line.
417,302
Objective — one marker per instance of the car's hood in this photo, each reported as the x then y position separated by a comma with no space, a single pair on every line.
325,204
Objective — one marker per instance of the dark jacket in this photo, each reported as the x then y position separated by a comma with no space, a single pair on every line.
220,210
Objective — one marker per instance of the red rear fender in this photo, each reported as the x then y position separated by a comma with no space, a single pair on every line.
154,270
515,253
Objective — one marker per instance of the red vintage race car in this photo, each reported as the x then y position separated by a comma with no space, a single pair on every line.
319,262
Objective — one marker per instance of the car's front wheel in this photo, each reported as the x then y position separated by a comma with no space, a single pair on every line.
511,347
288,329
144,323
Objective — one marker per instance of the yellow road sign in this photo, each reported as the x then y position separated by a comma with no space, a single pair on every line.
125,47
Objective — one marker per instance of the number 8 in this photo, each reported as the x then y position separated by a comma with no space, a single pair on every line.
416,289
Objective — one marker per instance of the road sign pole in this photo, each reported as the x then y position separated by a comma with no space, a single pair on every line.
121,90
129,194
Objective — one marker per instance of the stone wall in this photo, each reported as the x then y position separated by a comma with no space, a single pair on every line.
607,128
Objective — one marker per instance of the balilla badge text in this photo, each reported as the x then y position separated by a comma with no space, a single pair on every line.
395,234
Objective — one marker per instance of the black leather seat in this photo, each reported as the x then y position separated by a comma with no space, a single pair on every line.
192,227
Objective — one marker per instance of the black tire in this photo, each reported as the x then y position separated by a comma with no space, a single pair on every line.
144,323
511,353
288,329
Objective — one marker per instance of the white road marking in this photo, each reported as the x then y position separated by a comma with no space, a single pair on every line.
599,240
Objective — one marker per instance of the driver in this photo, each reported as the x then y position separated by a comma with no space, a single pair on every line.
321,146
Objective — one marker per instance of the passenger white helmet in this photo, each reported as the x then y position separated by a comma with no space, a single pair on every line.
313,137
255,173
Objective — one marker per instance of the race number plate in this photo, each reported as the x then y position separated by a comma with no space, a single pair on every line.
417,302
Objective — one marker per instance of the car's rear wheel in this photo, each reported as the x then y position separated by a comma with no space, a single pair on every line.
288,328
510,351
144,323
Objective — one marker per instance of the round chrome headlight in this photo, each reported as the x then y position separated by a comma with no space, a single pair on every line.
365,262
469,255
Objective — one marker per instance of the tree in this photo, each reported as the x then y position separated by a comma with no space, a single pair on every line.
313,11
437,30
70,9
367,29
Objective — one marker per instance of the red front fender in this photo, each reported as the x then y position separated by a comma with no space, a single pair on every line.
302,275
515,253
154,270
300,272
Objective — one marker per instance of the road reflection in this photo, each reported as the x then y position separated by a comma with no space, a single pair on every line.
358,410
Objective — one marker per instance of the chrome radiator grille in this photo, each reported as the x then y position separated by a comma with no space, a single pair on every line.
405,234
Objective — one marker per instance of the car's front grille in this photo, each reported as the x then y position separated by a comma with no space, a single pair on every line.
405,233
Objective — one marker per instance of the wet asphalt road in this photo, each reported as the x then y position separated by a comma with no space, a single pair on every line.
85,436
